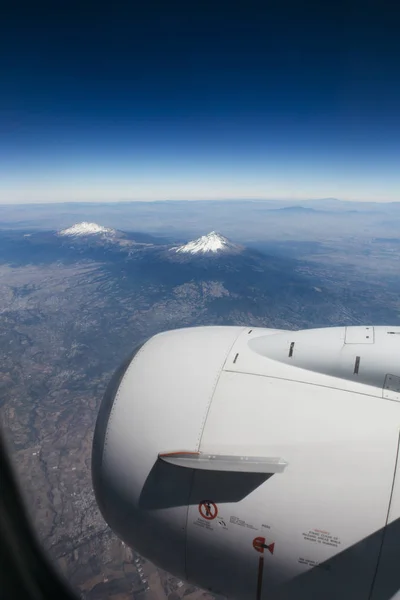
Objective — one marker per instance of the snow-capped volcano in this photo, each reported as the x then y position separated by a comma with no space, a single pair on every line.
86,228
212,242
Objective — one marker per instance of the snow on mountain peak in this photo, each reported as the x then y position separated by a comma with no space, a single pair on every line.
85,228
212,242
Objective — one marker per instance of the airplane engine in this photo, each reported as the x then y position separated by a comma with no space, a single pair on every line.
258,463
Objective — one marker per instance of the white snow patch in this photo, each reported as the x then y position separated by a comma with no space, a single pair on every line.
85,228
212,242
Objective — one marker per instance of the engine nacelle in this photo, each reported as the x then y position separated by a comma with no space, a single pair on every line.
258,463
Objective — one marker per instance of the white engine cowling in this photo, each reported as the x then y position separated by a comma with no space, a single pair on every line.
258,463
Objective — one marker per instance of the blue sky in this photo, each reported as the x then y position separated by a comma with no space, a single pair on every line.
189,101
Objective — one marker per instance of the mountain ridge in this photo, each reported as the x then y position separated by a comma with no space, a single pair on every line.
212,242
85,228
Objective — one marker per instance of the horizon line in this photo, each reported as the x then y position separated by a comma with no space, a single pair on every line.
167,200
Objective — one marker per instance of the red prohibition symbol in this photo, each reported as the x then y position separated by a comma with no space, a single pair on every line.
208,510
260,545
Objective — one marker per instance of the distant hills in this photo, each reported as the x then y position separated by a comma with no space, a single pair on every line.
297,209
238,220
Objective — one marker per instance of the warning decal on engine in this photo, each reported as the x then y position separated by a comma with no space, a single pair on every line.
313,563
208,510
260,545
321,537
242,523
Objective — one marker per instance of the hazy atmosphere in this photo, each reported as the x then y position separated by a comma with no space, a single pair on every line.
169,166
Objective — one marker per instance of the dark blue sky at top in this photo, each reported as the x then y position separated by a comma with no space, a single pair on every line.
284,98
